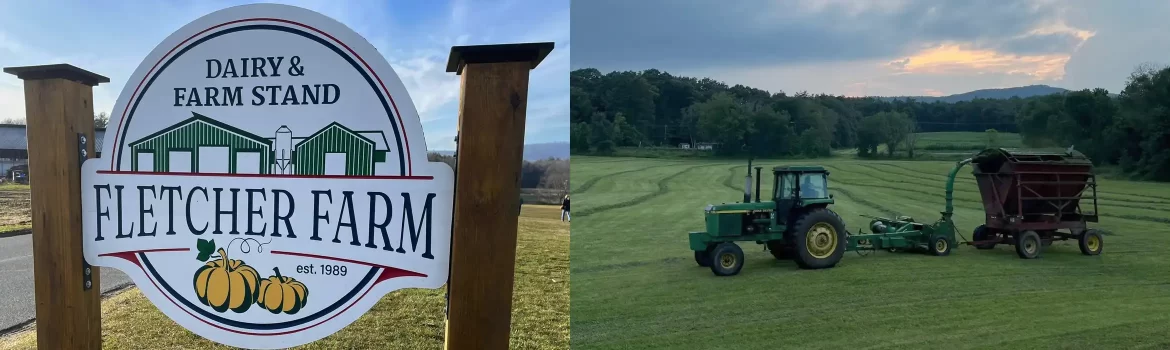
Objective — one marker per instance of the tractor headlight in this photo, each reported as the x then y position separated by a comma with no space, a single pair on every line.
709,208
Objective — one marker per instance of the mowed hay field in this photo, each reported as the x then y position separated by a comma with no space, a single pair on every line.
404,319
636,285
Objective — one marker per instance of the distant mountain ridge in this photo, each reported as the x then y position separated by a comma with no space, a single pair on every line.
1004,93
537,151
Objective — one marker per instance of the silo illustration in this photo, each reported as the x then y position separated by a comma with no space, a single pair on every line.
283,151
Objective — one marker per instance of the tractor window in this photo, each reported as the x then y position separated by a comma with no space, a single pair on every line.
787,188
813,186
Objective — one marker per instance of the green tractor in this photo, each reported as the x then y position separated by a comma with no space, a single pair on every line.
797,224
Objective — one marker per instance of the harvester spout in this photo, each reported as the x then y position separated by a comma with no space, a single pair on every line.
951,186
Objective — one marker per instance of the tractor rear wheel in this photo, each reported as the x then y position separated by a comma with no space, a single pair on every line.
1028,245
982,234
1091,242
779,250
939,245
818,239
726,259
703,257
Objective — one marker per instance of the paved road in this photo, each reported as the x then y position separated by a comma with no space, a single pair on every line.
16,281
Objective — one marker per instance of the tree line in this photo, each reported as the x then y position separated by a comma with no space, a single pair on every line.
657,109
552,173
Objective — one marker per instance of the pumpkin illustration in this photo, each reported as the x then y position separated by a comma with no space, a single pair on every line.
226,284
282,294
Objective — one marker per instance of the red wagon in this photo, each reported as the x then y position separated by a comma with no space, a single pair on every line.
1034,197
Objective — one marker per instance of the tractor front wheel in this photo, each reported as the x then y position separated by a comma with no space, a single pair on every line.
779,250
1028,245
940,245
703,257
818,239
982,234
1091,242
726,259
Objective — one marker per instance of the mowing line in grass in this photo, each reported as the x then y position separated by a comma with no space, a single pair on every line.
638,288
589,184
636,200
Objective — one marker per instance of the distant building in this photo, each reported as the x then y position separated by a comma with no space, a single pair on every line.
14,145
706,145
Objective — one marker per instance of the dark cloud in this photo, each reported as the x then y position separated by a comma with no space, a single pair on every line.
1040,44
687,35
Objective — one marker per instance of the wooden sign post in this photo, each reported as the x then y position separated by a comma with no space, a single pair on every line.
492,105
58,108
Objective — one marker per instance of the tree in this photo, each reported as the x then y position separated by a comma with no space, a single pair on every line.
896,130
992,138
100,120
580,105
1131,129
689,122
870,134
722,120
579,136
911,136
601,135
630,94
625,134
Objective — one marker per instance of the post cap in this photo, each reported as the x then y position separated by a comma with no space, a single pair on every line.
57,71
523,52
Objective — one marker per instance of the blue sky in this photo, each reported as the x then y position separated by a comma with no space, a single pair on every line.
111,38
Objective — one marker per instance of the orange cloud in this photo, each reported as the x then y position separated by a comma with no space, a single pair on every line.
954,58
932,92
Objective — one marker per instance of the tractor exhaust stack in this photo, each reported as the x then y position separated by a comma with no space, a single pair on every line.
747,185
758,183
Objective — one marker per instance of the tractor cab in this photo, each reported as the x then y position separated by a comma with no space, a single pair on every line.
799,187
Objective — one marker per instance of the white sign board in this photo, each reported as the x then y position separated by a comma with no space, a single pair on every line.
264,180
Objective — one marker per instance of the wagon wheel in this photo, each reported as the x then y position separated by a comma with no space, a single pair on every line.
1091,242
982,234
1028,245
939,245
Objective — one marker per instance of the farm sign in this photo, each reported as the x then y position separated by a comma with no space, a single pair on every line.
264,180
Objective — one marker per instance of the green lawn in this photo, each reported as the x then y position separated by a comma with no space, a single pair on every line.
962,141
406,319
636,284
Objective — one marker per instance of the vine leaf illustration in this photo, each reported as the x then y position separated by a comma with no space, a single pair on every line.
206,248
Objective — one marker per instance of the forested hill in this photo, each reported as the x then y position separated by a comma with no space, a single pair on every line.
1004,93
655,108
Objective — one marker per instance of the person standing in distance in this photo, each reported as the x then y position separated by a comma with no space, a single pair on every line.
565,208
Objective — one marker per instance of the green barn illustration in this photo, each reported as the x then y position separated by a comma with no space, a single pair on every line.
203,145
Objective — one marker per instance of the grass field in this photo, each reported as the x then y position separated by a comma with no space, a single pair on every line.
636,284
963,141
15,207
407,319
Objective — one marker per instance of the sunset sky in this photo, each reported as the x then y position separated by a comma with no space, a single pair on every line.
877,47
